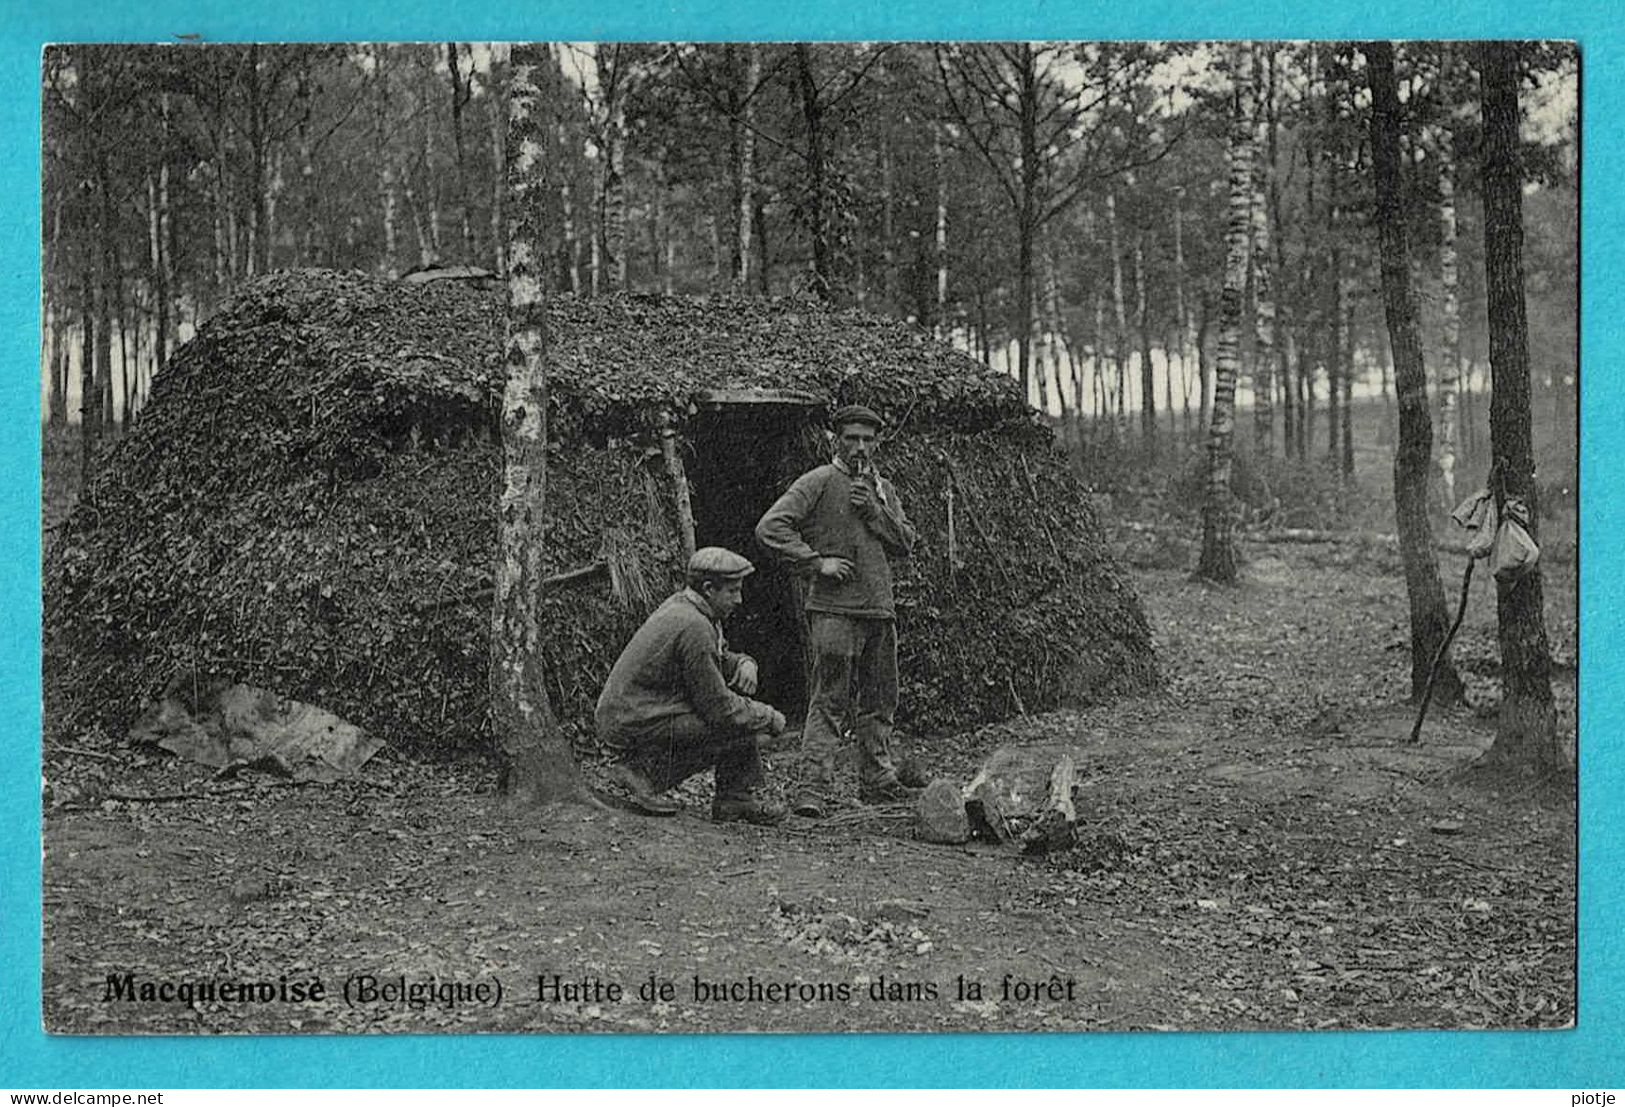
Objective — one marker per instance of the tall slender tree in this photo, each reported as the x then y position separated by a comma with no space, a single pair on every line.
540,765
1148,391
1119,312
1526,731
743,133
1412,460
384,159
1450,309
1262,262
613,64
462,91
1218,560
940,237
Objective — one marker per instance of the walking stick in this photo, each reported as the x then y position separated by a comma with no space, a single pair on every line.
1438,657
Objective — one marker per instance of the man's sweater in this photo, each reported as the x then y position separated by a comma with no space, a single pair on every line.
815,518
676,663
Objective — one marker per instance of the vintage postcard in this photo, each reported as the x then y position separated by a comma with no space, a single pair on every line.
685,537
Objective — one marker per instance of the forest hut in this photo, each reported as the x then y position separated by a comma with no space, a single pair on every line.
308,504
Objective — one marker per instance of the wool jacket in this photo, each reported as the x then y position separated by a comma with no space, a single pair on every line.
677,663
815,518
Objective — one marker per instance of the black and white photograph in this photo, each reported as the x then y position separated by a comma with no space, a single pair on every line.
688,538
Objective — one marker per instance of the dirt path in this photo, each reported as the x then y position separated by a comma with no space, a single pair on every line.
1261,850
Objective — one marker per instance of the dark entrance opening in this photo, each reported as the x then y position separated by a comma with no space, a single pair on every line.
748,446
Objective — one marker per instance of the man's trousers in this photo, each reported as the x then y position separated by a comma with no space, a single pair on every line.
854,665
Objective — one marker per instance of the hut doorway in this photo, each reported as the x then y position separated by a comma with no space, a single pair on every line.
748,446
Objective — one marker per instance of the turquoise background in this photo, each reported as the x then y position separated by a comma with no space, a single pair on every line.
1567,1059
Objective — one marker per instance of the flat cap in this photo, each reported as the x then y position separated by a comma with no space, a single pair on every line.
714,561
856,413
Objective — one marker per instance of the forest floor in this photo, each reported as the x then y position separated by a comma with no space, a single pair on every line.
1259,847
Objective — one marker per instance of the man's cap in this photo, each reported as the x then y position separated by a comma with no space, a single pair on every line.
714,561
856,413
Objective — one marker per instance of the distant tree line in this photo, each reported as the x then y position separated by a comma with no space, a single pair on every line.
1058,209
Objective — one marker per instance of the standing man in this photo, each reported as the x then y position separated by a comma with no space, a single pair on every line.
837,525
678,700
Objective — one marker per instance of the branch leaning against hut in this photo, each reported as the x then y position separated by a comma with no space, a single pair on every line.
987,539
679,480
1032,490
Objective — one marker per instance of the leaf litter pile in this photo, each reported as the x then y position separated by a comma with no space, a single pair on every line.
307,505
1259,848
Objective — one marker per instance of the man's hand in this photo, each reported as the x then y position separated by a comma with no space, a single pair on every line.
862,499
745,677
776,722
835,568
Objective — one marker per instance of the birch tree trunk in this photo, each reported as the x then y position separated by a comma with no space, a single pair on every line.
718,266
1526,731
1450,366
540,765
89,396
159,230
1103,416
1119,313
1335,317
611,80
1046,366
57,404
1282,337
571,240
1052,331
662,241
498,89
120,313
308,235
1429,620
1311,314
431,193
155,263
56,293
419,231
1182,317
1218,560
275,184
1148,391
1263,291
1345,373
941,243
1027,207
764,257
1204,390
461,93
383,158
595,239
888,222
745,174
107,274
258,253
1168,349
1345,301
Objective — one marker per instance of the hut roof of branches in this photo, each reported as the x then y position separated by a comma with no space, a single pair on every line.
308,503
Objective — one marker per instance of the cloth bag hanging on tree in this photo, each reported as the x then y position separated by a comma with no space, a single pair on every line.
1502,536
1515,552
1478,515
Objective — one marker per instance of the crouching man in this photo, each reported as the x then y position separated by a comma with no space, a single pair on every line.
678,700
